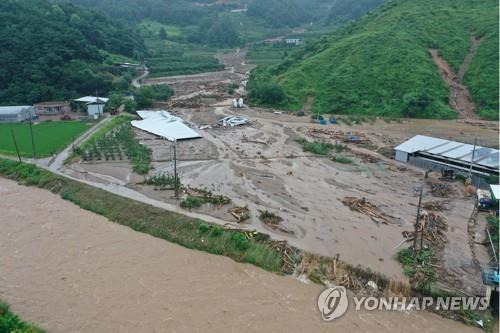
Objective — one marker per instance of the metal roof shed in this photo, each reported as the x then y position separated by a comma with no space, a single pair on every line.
165,125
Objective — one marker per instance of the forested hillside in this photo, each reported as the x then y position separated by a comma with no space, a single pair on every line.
380,64
53,50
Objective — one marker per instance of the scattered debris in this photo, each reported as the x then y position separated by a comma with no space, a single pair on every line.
234,121
245,139
273,221
347,137
441,189
287,255
240,213
436,205
207,196
433,226
366,158
363,206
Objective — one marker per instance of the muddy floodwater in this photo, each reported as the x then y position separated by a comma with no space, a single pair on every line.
69,270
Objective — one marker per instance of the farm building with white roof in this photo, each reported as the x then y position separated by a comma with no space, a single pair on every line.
16,114
435,153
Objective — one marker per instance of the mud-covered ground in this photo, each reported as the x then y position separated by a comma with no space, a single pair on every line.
261,166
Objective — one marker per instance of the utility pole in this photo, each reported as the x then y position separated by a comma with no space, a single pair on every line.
176,177
15,144
472,160
417,222
32,139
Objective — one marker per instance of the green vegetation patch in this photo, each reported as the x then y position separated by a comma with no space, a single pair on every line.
11,323
319,148
141,217
380,64
50,137
416,265
342,159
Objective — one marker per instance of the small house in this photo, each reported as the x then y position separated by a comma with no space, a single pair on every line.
95,105
52,108
293,41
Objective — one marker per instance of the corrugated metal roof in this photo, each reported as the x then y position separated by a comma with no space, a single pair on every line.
484,156
495,189
163,124
92,99
13,109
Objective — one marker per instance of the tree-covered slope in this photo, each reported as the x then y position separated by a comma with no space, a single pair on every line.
380,64
53,50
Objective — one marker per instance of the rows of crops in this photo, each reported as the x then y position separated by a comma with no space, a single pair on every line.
119,144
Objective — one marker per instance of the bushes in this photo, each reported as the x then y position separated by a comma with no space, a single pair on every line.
9,322
267,93
191,202
416,265
342,159
319,148
146,95
488,114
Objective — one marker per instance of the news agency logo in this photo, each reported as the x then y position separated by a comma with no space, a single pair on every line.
333,303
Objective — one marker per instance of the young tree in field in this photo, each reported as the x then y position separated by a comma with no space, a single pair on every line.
163,34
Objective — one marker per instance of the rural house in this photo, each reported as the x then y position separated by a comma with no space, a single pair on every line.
95,105
51,108
294,41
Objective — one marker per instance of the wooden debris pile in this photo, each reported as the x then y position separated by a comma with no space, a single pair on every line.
365,207
245,139
346,137
433,227
207,196
287,255
441,189
240,213
273,221
436,205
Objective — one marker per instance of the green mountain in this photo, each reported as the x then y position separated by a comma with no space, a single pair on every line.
54,50
381,65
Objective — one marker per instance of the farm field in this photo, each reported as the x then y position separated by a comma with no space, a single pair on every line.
50,137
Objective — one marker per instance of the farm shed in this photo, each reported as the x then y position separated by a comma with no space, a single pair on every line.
436,153
16,114
95,105
165,125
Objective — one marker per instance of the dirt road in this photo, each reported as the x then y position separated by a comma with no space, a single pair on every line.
69,270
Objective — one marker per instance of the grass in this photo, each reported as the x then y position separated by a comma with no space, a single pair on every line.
380,65
342,159
11,323
170,226
318,148
50,137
